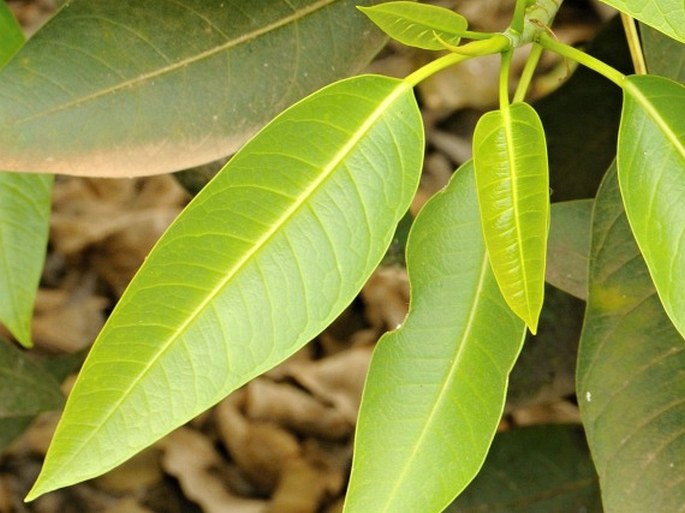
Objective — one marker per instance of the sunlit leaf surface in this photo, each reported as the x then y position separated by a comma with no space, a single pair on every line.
651,172
436,386
419,25
260,262
510,158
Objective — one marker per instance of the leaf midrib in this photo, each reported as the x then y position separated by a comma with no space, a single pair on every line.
261,243
469,327
144,77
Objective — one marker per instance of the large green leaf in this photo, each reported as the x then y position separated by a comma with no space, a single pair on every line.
651,172
667,16
420,25
569,246
539,469
127,87
510,158
435,389
630,381
260,262
24,221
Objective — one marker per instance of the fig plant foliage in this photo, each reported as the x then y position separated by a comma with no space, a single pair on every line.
274,247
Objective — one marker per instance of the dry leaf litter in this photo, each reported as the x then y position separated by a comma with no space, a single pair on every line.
282,443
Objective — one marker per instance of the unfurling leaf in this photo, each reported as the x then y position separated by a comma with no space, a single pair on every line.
510,157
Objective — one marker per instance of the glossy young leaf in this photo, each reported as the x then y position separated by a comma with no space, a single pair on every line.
415,24
435,389
263,259
538,469
510,158
129,88
630,378
569,245
667,16
651,172
24,217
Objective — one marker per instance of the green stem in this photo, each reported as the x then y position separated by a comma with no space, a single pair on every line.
549,43
519,14
471,34
538,17
504,70
433,67
527,73
634,45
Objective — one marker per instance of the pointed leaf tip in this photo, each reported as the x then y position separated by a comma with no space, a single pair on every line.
257,265
510,157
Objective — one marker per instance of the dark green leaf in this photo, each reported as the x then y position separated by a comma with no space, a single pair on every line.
581,119
630,381
651,173
123,88
569,245
664,56
540,469
25,387
436,386
260,262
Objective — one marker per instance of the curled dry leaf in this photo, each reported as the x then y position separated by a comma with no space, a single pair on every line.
294,408
79,315
192,459
337,380
301,490
261,449
386,296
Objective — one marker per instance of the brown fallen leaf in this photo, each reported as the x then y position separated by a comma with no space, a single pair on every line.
260,449
337,380
294,408
191,458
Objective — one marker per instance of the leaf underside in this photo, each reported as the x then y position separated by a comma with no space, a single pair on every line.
667,16
651,172
630,378
130,88
435,390
260,262
510,157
